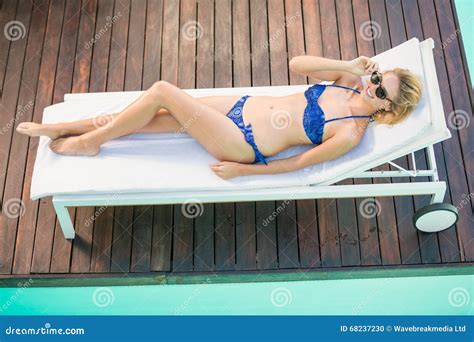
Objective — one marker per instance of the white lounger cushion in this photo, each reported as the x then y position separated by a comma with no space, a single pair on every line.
168,162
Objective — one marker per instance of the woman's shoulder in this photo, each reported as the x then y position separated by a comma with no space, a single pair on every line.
350,81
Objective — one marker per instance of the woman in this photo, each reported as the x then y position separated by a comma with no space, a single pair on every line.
242,136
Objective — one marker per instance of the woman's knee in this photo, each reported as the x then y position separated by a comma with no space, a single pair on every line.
158,89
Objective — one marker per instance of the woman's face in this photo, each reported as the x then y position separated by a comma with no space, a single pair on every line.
390,83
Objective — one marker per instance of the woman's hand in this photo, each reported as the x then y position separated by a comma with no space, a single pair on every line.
362,65
226,170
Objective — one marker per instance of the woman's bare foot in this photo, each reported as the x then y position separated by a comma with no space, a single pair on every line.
35,130
74,146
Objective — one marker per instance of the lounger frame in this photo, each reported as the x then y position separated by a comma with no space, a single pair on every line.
433,187
327,189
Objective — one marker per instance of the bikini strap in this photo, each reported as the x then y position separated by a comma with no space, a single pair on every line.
347,117
352,116
340,86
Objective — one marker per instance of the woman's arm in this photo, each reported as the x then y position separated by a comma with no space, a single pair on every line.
330,149
331,69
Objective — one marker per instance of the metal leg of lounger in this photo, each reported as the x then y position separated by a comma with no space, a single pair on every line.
438,196
64,219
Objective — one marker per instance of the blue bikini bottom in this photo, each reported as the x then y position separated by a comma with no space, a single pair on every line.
235,114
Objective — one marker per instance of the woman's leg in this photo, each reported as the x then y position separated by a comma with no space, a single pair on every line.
219,135
161,123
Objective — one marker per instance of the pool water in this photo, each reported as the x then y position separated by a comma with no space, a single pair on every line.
465,12
448,295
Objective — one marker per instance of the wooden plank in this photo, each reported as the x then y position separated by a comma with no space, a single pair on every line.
122,240
387,224
82,246
457,172
46,215
8,113
171,32
61,254
118,46
308,236
312,30
141,246
204,239
225,237
245,236
8,14
123,216
26,100
103,224
404,208
200,40
346,209
223,45
153,33
327,213
162,235
135,47
102,240
287,234
368,232
183,236
267,257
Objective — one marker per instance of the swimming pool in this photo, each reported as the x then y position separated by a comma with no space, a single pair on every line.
448,295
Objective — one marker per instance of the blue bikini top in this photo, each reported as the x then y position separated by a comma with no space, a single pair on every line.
314,118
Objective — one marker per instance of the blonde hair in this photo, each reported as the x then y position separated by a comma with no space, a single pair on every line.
409,93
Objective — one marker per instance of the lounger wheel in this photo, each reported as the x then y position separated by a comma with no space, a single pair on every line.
435,217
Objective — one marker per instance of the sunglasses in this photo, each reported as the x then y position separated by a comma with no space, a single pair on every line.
380,92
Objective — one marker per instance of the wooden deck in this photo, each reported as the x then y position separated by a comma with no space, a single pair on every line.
106,45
